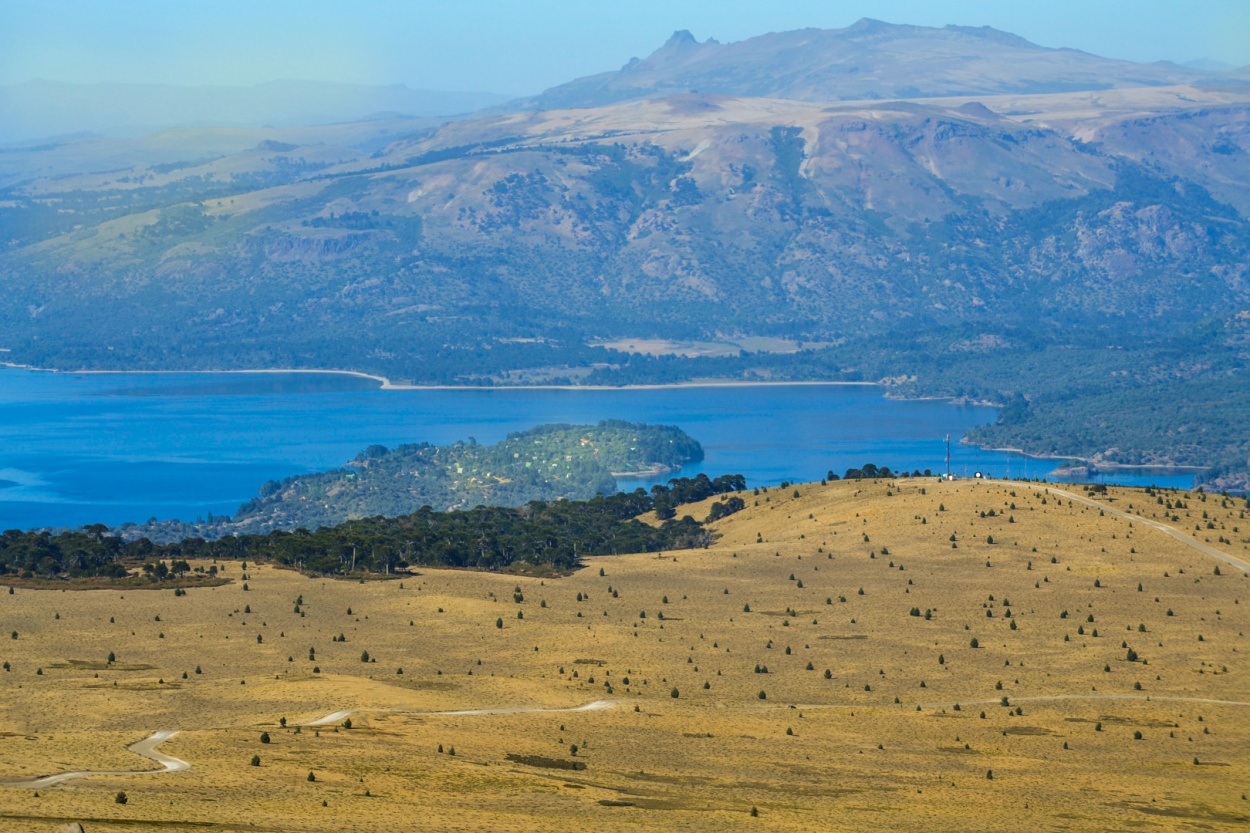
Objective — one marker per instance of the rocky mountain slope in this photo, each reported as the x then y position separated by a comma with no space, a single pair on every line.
681,217
1052,204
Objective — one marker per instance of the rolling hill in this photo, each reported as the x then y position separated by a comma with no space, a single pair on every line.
901,654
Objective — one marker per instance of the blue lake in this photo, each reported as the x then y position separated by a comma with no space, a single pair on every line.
110,448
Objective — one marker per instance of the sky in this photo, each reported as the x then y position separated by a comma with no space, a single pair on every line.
521,47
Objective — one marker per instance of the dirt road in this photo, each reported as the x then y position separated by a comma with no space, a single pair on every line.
145,747
1188,540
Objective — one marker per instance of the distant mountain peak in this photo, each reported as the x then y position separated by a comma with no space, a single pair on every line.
680,45
680,38
870,59
872,26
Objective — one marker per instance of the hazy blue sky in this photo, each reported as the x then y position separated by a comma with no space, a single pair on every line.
524,46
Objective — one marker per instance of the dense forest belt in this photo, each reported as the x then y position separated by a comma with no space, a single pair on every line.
545,537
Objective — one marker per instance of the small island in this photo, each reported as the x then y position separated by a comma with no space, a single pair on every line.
548,462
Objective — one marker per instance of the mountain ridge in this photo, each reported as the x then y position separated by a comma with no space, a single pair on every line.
868,59
1106,232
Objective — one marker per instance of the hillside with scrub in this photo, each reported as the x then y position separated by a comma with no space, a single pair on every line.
899,653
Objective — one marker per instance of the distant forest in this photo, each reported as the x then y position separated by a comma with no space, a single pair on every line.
553,535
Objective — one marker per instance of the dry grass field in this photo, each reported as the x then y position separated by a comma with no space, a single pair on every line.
781,669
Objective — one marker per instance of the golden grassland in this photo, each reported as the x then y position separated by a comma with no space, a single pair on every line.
867,717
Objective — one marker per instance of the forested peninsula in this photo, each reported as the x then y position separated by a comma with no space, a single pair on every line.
545,463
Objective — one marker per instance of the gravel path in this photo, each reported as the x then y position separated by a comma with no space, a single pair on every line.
597,705
145,747
1188,540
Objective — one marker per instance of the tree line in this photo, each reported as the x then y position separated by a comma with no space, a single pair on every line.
540,534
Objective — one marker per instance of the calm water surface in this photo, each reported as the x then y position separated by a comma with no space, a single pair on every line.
87,448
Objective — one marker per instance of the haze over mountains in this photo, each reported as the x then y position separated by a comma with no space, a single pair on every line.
942,206
41,109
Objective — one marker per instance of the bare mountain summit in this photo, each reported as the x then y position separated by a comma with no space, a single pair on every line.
867,60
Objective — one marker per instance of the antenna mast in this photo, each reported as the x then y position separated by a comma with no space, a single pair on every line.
948,456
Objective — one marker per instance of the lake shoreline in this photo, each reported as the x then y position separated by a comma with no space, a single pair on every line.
386,384
1086,462
176,449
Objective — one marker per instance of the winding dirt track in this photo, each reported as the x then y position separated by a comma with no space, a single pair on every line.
1052,697
597,705
1044,698
1188,540
145,747
332,717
